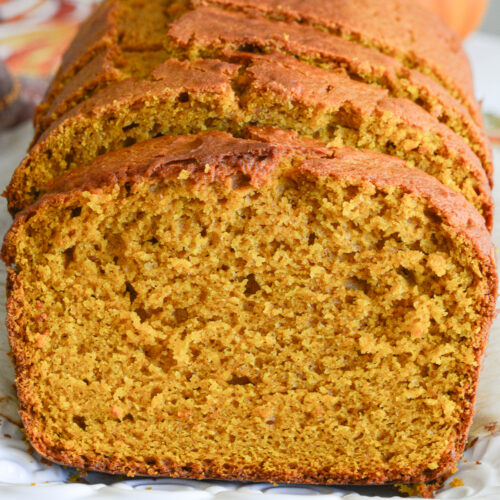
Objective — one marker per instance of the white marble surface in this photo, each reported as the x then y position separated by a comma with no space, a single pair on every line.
23,475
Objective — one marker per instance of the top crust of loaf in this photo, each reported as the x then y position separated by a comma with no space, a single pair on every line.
210,29
165,157
400,27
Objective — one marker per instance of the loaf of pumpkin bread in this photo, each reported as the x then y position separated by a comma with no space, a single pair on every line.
252,243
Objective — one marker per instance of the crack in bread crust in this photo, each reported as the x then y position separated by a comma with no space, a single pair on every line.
448,64
208,32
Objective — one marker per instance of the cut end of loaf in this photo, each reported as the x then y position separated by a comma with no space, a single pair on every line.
292,321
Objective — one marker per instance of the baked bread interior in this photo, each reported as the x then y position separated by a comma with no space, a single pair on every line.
212,307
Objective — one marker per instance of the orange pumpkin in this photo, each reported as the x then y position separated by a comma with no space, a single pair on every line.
464,16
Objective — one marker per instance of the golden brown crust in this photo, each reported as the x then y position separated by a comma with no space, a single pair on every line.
310,85
292,81
397,27
209,29
164,158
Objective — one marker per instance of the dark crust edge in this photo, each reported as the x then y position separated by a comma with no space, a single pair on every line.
436,195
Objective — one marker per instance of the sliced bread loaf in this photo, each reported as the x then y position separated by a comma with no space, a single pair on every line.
115,53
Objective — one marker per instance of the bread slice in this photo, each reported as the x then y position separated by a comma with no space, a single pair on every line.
131,25
273,90
208,31
211,307
109,66
96,34
403,30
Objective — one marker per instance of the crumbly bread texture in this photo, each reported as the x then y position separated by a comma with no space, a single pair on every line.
266,90
267,309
